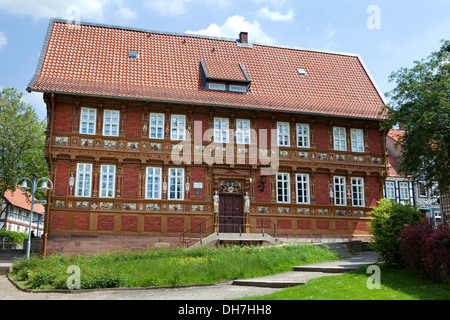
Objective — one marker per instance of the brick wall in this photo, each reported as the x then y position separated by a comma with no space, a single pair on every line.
204,119
322,139
58,222
375,141
374,194
198,175
62,178
264,125
265,195
133,126
62,121
152,224
175,224
81,221
322,194
105,223
130,185
129,223
77,244
303,224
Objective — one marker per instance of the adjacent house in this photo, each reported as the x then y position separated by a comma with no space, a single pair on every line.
16,210
154,134
403,189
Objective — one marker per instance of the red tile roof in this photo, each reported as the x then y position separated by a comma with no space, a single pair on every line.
93,60
22,200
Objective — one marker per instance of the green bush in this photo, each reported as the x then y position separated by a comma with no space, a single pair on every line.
14,237
389,219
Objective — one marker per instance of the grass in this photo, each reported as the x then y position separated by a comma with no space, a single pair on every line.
395,285
166,267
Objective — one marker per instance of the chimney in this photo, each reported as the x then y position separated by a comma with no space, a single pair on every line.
243,37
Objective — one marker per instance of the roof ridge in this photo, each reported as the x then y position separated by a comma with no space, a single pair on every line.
193,35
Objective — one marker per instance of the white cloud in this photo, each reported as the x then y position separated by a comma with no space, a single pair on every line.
220,3
276,15
168,8
83,9
3,40
36,99
277,3
127,14
233,26
331,30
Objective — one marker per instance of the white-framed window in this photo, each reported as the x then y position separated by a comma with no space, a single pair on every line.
178,127
389,190
111,123
303,135
339,191
242,131
107,181
153,183
422,185
403,187
302,183
88,118
221,127
176,184
283,134
283,188
358,192
84,180
357,136
156,126
340,140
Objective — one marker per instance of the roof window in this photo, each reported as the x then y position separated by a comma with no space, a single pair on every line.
133,54
302,72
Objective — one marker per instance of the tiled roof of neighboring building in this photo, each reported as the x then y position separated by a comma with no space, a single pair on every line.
22,200
92,59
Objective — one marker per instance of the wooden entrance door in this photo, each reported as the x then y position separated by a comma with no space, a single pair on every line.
230,213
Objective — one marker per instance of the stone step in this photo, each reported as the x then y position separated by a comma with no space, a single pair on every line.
268,283
5,268
236,237
325,269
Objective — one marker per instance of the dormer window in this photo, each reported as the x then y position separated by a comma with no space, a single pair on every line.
217,86
236,88
225,76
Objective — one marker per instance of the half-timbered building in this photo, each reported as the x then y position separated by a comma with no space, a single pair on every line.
152,134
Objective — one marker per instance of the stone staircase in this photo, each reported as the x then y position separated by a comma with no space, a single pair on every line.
234,238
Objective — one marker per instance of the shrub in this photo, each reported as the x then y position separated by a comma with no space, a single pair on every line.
389,219
14,237
426,250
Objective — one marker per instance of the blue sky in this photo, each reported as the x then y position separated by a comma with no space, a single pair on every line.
387,34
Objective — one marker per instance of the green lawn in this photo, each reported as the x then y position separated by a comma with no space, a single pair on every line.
167,267
395,285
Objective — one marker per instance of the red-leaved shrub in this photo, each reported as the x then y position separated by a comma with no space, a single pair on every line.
426,249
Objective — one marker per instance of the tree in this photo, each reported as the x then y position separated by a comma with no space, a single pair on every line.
22,141
421,104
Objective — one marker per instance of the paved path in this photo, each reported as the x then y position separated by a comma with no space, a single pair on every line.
223,291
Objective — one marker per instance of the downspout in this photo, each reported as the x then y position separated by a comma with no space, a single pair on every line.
50,157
